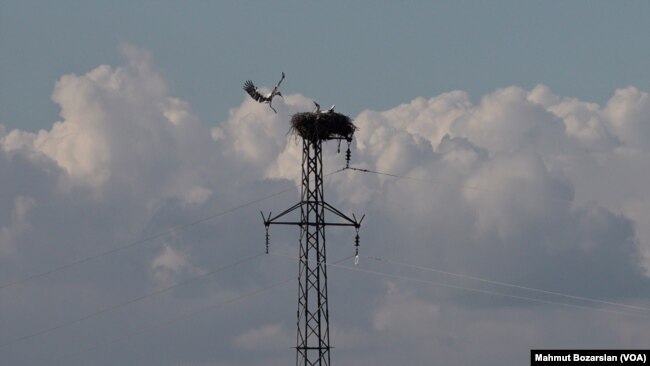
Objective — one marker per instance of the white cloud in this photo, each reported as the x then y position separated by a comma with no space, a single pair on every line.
118,123
628,113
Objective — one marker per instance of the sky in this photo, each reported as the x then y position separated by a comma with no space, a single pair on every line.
133,168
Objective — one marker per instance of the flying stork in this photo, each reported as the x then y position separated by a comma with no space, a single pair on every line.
251,89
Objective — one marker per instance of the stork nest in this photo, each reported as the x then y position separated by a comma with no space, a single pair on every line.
322,126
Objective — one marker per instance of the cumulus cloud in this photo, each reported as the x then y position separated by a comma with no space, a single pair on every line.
115,124
521,186
503,179
627,113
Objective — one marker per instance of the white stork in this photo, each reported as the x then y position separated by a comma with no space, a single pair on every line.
317,109
251,89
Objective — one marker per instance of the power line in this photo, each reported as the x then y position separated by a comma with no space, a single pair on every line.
483,279
506,284
463,186
125,303
471,289
167,232
488,292
141,241
184,227
170,321
196,312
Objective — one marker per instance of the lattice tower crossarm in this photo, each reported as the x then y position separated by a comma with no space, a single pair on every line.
313,337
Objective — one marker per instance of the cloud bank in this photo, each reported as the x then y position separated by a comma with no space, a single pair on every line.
521,186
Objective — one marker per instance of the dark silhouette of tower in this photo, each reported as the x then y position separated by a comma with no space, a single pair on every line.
313,337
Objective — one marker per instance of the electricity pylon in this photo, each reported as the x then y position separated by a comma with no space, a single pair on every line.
313,337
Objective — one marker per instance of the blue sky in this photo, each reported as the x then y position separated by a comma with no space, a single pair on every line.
357,55
514,212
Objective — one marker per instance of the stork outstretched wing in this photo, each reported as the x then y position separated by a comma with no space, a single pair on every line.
279,82
251,89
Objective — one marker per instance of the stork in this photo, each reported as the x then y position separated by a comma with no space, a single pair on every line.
318,111
251,89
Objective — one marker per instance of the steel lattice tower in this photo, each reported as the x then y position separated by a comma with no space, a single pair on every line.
313,336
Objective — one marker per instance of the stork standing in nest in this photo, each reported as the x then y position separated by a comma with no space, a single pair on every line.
318,111
251,89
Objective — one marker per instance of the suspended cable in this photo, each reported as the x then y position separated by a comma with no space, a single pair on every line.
174,320
488,292
125,303
471,289
141,241
195,312
380,173
463,186
486,280
506,284
167,232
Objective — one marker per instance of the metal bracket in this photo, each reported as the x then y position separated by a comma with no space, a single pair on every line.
347,221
